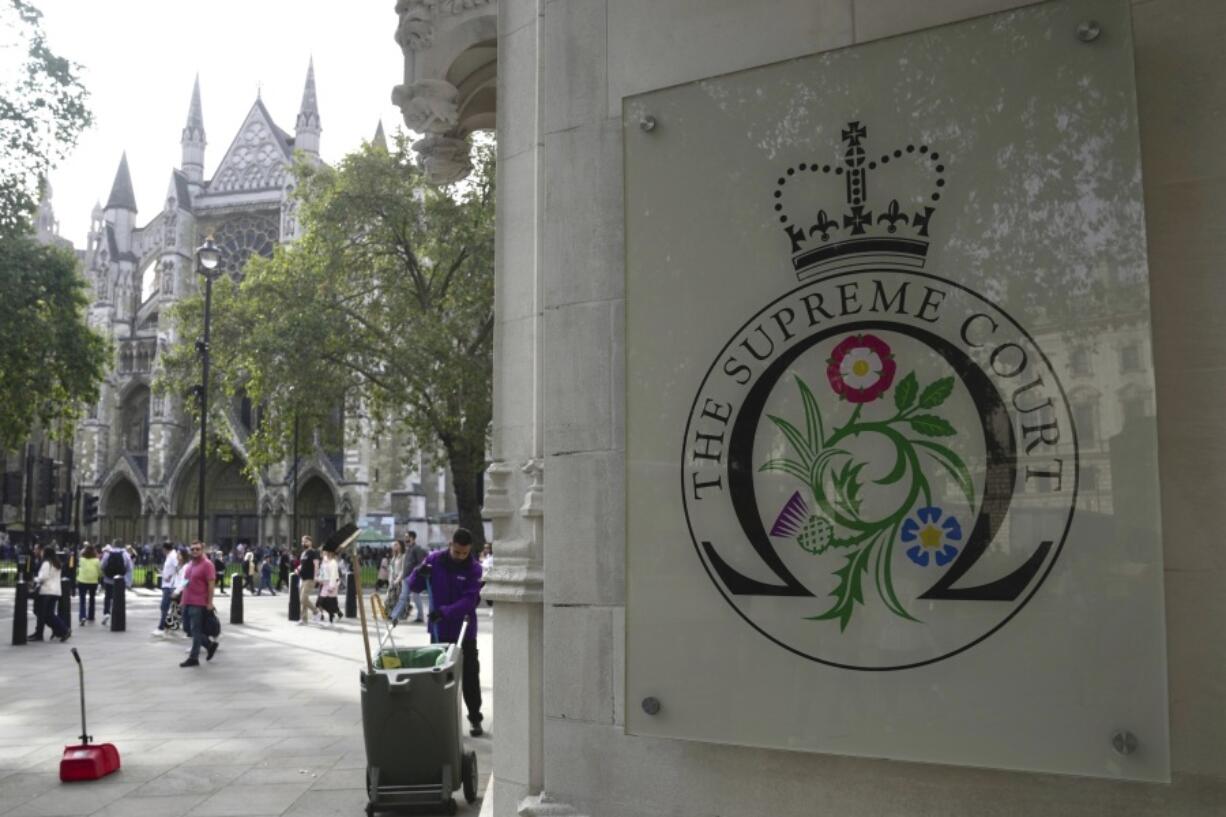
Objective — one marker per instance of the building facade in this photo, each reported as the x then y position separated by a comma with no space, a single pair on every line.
137,450
569,738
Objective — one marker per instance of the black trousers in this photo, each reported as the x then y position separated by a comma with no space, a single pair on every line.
471,682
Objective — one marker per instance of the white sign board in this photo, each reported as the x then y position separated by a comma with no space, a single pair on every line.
891,468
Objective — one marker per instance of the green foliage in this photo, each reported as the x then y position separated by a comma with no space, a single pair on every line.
51,362
385,302
42,112
868,541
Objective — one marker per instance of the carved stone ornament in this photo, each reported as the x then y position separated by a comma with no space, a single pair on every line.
497,490
428,105
534,497
416,28
443,159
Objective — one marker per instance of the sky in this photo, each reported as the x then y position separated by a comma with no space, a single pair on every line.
140,57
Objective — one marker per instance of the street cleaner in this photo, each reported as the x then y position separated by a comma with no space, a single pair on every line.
452,577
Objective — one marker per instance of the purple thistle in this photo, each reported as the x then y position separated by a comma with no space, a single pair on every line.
791,518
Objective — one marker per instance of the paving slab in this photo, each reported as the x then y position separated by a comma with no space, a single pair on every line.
271,727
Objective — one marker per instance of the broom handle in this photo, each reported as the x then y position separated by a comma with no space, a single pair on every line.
357,577
81,675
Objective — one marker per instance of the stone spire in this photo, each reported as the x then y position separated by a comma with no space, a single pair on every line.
307,130
193,141
122,197
380,139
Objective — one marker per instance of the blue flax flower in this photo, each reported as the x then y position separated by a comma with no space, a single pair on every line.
933,538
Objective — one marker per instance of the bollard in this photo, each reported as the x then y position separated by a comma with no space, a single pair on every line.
351,598
20,602
65,609
148,578
119,621
236,599
295,605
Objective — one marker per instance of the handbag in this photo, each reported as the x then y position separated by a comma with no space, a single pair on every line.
212,625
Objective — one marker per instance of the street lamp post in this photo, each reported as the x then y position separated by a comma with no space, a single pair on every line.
208,264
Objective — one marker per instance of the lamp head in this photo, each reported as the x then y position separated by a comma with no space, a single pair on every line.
208,258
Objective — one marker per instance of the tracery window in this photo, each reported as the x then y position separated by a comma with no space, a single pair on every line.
246,234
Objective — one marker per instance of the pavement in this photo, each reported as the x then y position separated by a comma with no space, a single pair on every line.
271,726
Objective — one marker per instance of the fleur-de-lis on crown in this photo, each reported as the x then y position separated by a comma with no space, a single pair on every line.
893,215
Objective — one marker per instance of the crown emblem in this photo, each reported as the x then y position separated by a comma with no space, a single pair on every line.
859,236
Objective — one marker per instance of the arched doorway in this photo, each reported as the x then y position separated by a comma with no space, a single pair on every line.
231,512
121,513
316,510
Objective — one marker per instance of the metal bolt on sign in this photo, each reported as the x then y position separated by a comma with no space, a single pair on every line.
1124,742
651,706
647,123
1088,31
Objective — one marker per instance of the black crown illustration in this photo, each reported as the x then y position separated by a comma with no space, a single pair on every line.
859,236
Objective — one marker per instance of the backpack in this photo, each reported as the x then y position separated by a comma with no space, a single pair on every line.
114,565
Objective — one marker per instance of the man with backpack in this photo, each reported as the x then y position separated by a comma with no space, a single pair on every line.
116,564
414,555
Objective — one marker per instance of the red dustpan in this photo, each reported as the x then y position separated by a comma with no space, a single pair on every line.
85,761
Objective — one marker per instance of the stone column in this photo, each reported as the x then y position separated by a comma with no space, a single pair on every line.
515,493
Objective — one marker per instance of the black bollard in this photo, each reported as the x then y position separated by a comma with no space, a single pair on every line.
148,578
236,599
20,601
351,598
119,619
295,604
65,610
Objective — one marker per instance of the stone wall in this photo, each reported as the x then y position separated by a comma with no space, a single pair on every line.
564,67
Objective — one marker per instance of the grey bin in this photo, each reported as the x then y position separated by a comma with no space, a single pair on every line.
413,728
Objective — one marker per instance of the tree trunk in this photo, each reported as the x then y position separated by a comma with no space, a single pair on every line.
466,475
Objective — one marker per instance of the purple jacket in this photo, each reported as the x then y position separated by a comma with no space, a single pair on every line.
455,590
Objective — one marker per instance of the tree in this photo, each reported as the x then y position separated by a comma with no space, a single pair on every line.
385,302
42,112
51,362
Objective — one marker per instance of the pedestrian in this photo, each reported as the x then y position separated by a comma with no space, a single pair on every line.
219,567
414,556
453,579
250,569
46,607
284,571
329,585
89,573
170,579
308,567
395,577
114,567
381,575
198,603
266,577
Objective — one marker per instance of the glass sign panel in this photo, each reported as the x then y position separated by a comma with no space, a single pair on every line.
891,450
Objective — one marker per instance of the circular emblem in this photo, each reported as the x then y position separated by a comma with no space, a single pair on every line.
879,469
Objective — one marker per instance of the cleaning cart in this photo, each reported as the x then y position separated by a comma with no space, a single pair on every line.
412,721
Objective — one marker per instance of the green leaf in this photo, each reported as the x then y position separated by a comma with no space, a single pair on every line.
904,392
931,425
813,417
952,463
850,590
788,467
936,393
885,581
794,436
847,485
817,468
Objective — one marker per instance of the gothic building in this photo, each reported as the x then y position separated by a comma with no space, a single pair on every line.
138,451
